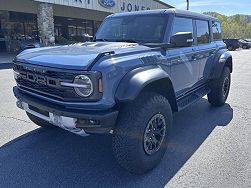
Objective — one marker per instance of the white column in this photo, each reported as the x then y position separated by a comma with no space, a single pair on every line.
45,22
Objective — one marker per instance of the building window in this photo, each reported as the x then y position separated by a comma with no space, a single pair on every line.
73,30
96,26
22,26
89,27
16,29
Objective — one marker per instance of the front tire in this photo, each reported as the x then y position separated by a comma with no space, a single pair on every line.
141,136
38,121
220,88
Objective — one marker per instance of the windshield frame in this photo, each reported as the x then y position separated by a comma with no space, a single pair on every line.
133,40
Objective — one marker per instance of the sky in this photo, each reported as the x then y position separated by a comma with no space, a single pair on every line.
227,7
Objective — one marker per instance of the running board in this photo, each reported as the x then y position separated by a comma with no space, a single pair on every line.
191,97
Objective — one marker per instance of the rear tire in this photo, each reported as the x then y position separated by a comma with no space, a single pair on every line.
38,121
220,88
141,136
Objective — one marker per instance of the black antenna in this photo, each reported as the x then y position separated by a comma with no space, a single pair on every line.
187,4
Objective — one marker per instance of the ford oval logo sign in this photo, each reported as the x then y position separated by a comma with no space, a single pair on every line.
107,3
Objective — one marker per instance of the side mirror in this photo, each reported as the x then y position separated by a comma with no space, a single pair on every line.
182,39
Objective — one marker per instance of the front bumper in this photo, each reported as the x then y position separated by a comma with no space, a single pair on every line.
73,119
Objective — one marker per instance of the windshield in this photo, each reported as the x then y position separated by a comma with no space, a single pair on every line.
141,29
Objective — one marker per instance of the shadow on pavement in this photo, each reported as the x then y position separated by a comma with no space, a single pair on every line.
56,158
6,66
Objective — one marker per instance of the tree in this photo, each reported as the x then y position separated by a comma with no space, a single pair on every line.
237,26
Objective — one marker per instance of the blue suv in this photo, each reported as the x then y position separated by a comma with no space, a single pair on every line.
140,69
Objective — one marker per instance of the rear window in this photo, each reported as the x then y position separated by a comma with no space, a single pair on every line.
202,32
217,34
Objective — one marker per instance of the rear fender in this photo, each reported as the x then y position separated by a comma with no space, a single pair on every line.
222,58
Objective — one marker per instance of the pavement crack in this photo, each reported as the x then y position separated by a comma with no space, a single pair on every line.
9,117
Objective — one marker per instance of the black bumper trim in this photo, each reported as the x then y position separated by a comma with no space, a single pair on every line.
107,118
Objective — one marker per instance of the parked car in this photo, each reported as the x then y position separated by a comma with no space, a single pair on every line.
248,40
87,37
35,43
127,84
232,44
29,43
244,44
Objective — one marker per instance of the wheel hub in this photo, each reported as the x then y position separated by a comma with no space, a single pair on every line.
154,134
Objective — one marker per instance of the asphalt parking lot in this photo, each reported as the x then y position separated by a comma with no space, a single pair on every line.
211,147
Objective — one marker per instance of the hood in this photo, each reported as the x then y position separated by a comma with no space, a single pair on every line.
77,56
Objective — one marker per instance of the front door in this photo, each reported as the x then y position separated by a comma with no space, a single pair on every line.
184,68
183,61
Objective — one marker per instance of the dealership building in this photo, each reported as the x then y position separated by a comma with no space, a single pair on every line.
59,21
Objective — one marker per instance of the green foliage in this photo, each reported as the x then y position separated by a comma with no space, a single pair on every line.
237,26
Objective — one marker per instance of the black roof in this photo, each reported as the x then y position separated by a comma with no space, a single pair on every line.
191,14
178,12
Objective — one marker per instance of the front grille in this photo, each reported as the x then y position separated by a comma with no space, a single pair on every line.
41,88
49,72
61,75
46,81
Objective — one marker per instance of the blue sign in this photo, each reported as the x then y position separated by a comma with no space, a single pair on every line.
107,3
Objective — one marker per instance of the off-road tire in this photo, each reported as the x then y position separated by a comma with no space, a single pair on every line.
38,121
218,95
128,138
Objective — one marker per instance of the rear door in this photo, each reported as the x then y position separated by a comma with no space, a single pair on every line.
184,64
206,49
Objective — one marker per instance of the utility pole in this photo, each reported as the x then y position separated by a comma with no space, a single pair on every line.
187,4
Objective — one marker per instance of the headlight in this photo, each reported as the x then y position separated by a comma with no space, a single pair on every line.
83,85
87,85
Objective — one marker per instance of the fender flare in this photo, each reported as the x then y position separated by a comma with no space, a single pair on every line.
136,80
222,58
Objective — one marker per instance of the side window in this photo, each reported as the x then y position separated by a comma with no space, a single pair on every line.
216,30
202,32
182,25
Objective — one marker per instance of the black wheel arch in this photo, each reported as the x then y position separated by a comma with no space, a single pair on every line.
150,78
223,58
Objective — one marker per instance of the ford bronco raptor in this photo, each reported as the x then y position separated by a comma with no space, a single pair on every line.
140,68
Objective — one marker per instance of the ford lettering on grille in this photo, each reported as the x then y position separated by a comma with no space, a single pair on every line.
43,80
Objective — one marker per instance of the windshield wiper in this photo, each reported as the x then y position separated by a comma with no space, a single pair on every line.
148,44
159,45
129,41
103,40
151,45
